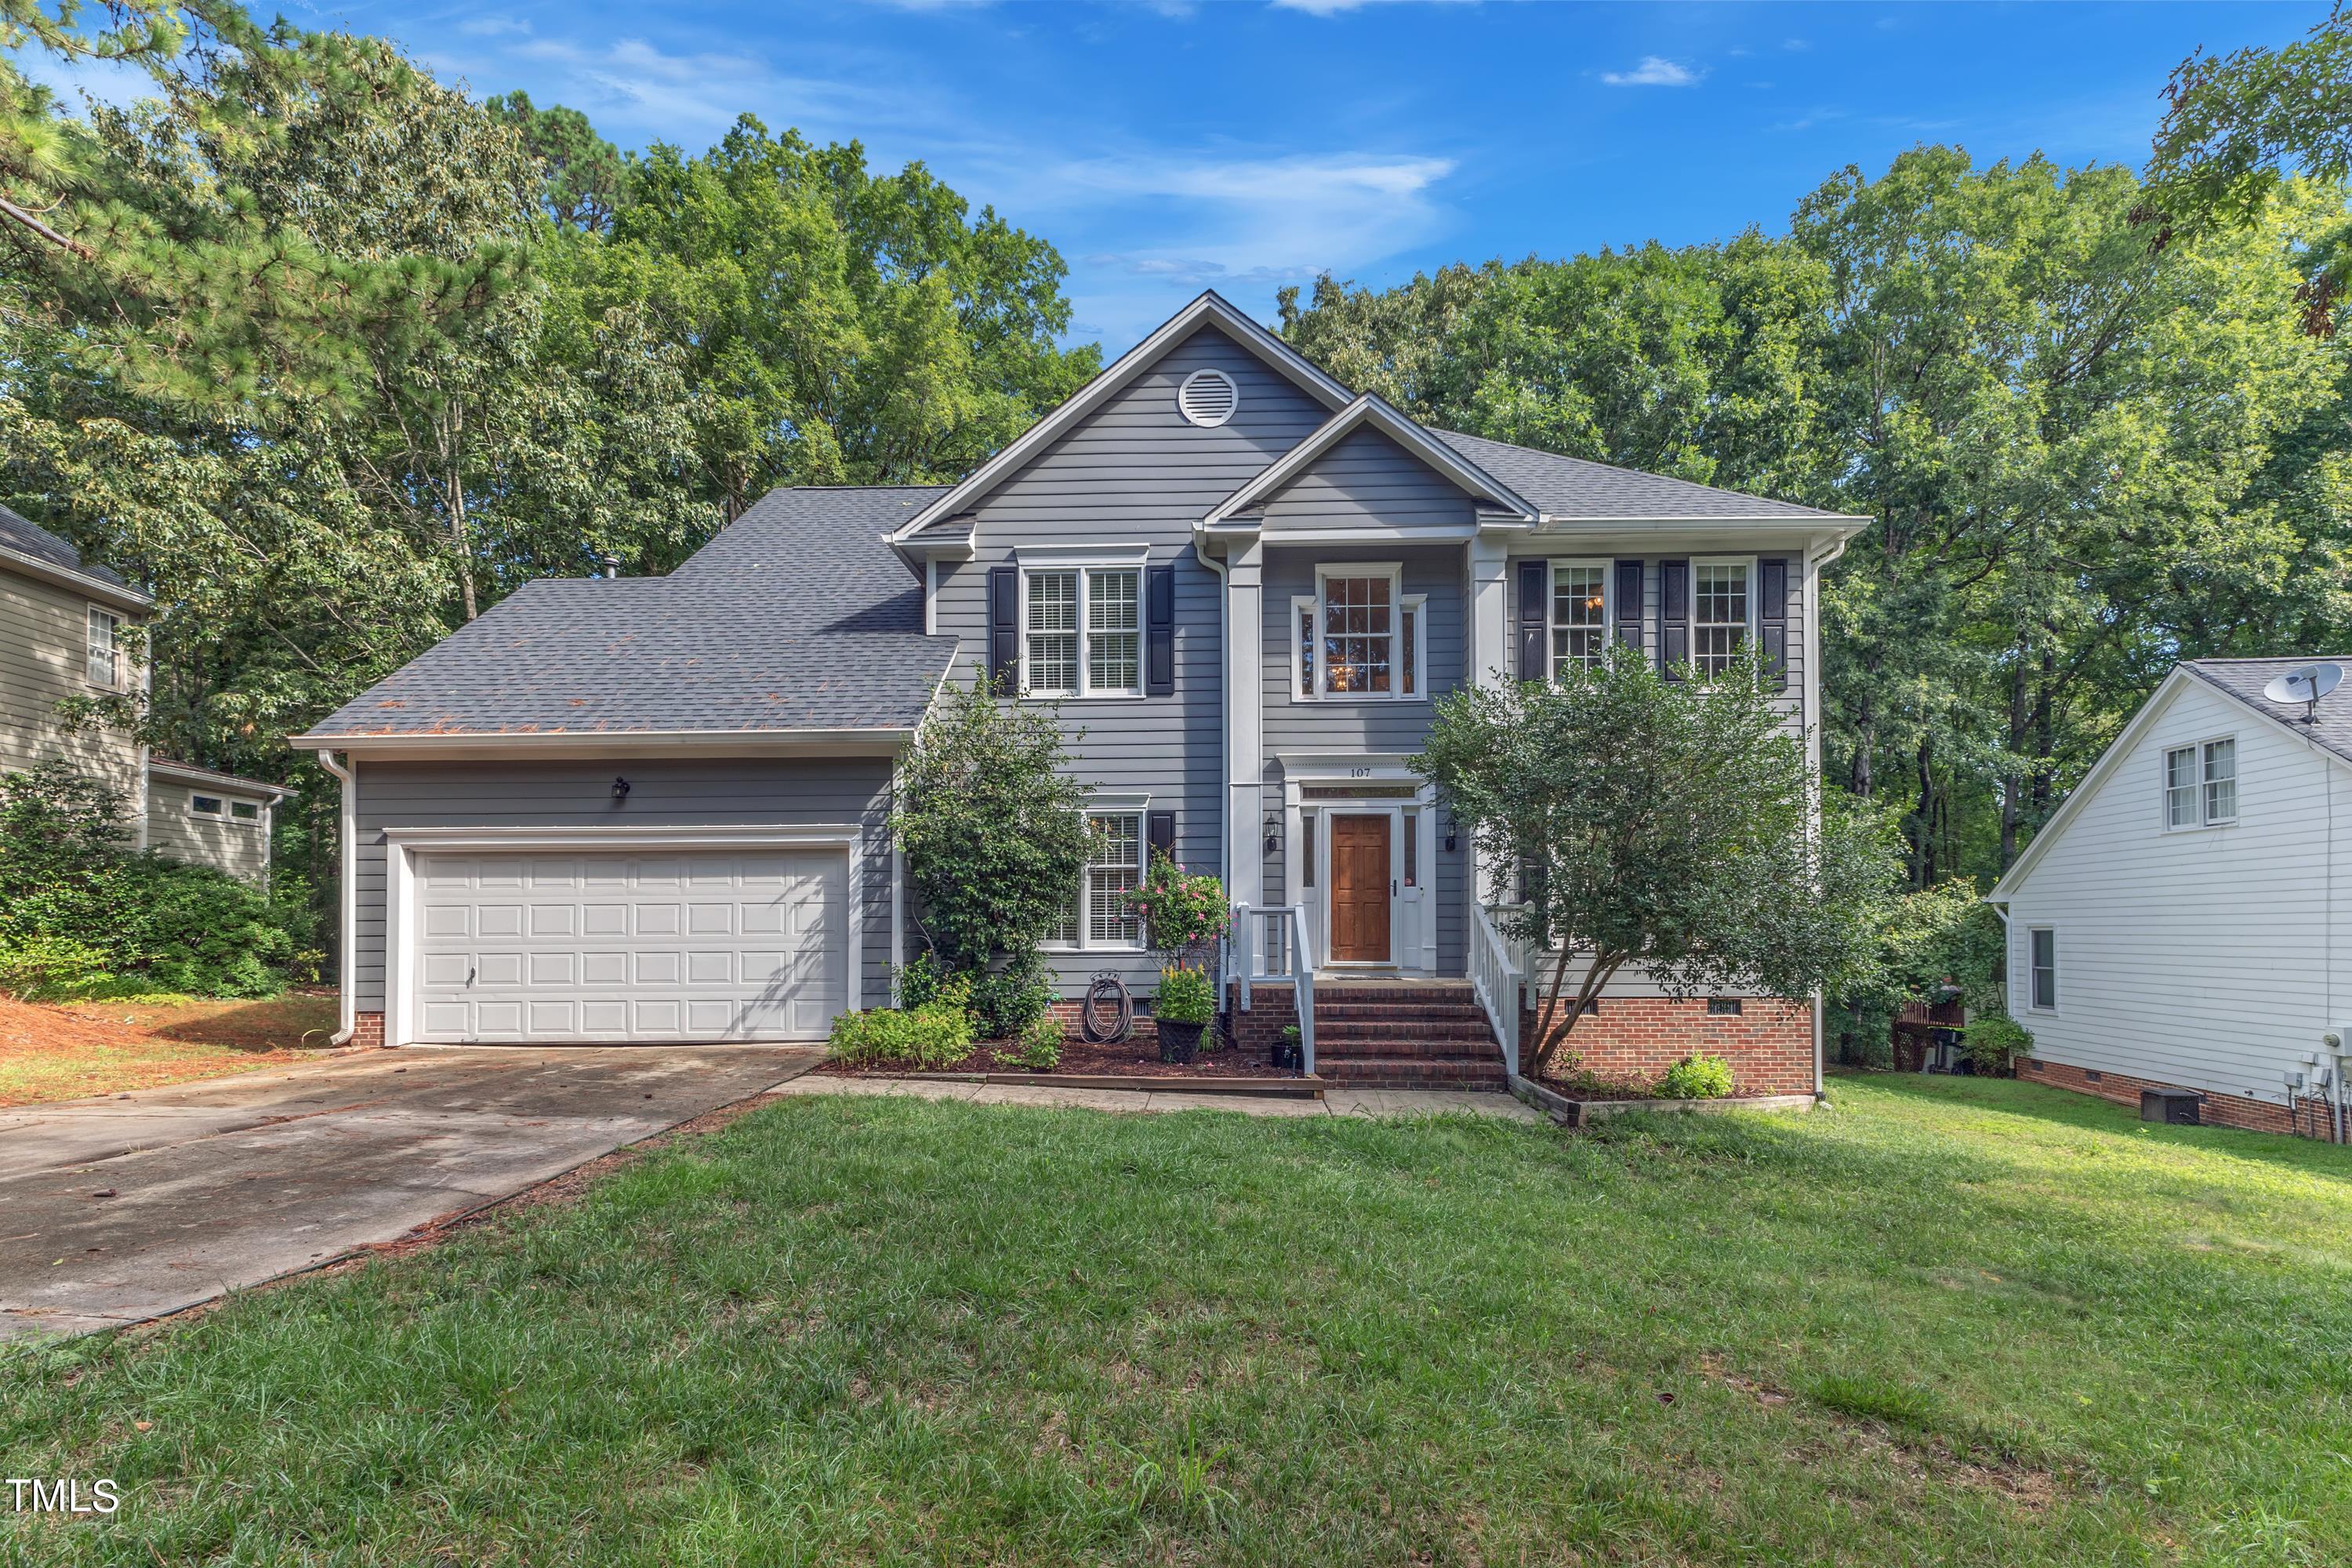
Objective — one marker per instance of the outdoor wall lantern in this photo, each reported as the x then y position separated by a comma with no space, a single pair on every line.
1273,832
620,790
1452,833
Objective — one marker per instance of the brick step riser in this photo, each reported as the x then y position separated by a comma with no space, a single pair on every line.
1417,997
1404,1050
1359,1015
1363,1075
1407,1028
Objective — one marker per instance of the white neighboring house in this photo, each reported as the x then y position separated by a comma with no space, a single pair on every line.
2181,921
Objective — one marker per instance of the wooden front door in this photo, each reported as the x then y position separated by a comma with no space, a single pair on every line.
1359,889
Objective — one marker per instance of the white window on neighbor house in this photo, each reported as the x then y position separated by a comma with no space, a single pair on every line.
2200,785
105,667
2045,941
1101,915
207,805
1083,631
1579,614
1721,610
244,811
1361,637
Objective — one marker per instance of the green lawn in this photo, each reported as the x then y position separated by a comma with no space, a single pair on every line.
1946,1322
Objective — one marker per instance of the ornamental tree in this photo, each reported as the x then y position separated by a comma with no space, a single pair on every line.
1665,825
1186,915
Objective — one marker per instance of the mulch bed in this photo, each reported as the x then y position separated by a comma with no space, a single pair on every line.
1133,1059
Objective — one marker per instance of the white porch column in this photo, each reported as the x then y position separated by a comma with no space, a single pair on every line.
1244,740
1490,609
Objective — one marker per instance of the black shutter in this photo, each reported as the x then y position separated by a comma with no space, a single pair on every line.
1003,623
1533,666
1629,604
1772,619
1160,832
1674,620
1160,622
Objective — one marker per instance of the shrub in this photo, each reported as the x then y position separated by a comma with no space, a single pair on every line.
1696,1078
42,966
922,1039
1994,1041
1006,1001
1186,915
1040,1048
1185,996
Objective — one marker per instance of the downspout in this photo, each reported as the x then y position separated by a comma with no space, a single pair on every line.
1225,699
347,898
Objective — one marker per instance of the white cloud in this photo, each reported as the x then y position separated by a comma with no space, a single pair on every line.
496,27
1654,71
1334,7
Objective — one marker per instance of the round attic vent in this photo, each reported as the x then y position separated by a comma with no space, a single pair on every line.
1208,397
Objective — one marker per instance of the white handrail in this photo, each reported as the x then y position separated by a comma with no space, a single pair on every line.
1302,956
1281,953
1495,978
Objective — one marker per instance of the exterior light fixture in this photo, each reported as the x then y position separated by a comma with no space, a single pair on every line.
1452,833
1273,832
620,790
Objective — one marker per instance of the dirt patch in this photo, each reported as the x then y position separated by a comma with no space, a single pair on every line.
1133,1059
51,1051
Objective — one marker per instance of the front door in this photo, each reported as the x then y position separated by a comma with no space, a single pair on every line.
1360,889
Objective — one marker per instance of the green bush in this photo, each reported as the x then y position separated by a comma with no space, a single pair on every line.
1994,1041
1185,996
1006,1001
1696,1078
922,1039
1040,1046
70,888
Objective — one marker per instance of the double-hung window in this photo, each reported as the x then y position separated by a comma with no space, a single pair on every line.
1721,609
2044,967
1101,916
2200,785
1579,614
105,657
1361,637
1083,631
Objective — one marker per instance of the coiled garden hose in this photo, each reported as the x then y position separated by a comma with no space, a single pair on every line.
1107,996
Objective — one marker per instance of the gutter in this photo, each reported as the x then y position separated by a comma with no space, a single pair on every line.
347,898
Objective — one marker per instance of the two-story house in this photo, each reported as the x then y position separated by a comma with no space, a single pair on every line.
62,625
653,808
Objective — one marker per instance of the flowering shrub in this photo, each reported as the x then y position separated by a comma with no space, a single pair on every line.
1185,996
1185,914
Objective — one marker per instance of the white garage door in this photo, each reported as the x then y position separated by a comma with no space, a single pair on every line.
728,945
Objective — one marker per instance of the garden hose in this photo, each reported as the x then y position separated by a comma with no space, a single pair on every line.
1108,992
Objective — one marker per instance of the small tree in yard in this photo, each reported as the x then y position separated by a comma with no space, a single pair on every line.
1659,824
995,840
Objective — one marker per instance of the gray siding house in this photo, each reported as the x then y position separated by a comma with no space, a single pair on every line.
653,809
63,625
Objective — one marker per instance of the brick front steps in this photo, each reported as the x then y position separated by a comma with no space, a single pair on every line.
1397,1034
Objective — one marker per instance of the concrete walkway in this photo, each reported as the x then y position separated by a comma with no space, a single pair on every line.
114,1211
1337,1101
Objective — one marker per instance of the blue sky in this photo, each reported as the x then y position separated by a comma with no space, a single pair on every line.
1166,147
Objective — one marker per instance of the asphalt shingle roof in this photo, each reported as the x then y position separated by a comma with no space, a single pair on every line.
2244,678
798,616
27,538
1573,487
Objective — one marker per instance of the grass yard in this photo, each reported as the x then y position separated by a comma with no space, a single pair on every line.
65,1050
1950,1321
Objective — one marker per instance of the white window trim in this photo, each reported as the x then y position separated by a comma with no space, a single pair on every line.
193,810
2032,1002
1398,603
113,681
1747,636
248,823
1135,806
1608,606
1085,566
2196,749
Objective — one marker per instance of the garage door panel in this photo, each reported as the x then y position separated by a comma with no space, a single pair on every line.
751,946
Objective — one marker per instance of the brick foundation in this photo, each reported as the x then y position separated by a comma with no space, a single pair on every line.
1769,1044
367,1029
2218,1110
1273,1008
1067,1011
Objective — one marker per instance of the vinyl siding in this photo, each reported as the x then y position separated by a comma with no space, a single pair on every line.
696,793
44,648
2210,958
1136,472
239,848
1367,477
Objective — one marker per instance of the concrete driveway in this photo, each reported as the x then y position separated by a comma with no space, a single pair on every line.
216,1185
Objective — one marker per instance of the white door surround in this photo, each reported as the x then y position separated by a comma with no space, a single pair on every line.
779,854
1315,789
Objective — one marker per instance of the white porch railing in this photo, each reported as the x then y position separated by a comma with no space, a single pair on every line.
1271,947
1496,975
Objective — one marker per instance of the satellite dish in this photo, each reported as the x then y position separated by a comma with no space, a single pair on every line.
2307,686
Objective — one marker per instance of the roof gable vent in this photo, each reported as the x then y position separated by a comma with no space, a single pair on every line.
1208,398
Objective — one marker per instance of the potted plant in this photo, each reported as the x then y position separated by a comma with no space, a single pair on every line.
1287,1056
1184,1007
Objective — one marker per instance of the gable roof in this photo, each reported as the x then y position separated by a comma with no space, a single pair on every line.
1373,411
1575,489
2240,680
1209,308
798,617
27,544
